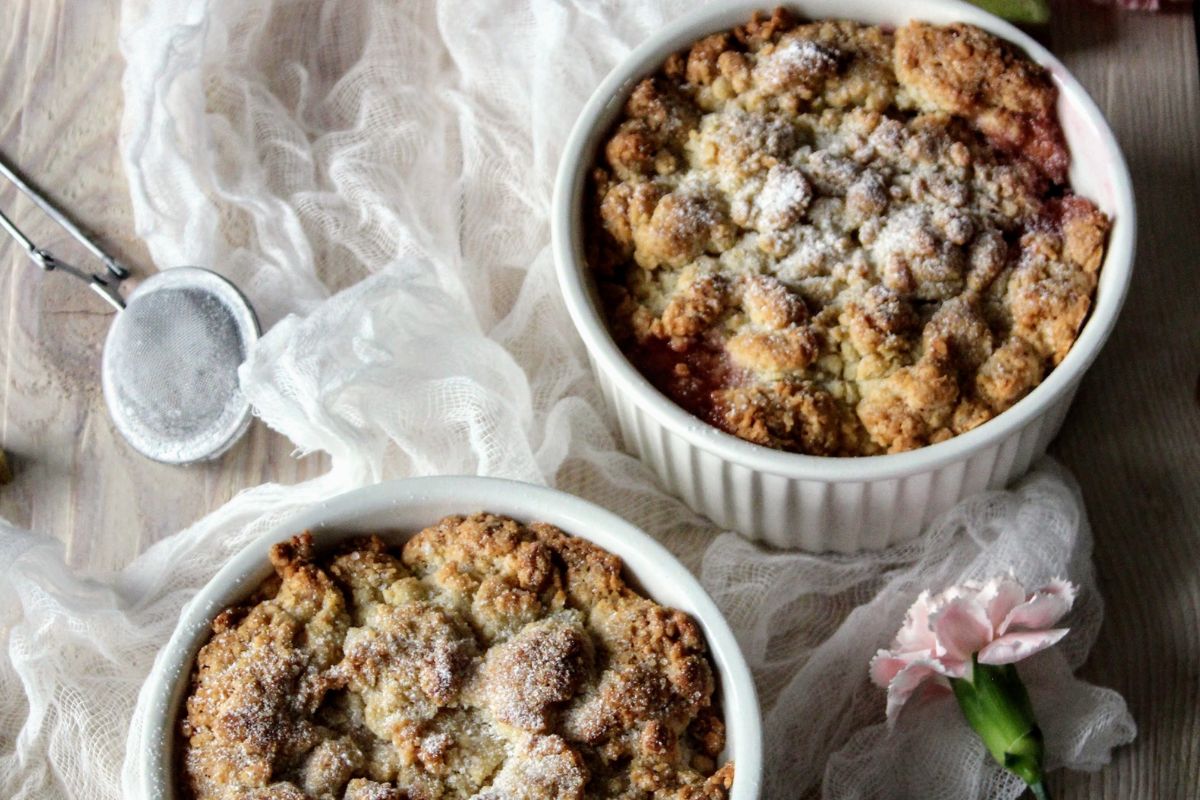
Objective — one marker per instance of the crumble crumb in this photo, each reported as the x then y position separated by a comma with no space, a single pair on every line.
486,659
838,239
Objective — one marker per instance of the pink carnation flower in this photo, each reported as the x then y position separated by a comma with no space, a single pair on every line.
995,622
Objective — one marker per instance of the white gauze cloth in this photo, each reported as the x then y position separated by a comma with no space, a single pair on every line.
377,177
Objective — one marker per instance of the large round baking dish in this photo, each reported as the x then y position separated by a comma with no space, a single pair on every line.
791,500
395,511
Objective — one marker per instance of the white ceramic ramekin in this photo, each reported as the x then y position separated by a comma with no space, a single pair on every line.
396,510
837,504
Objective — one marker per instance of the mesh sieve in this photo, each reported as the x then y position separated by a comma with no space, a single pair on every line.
172,354
170,366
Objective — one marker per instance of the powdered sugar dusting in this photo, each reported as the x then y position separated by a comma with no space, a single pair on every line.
540,766
539,667
345,684
784,198
902,233
826,181
795,62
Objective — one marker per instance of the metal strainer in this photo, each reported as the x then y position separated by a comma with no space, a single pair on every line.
170,362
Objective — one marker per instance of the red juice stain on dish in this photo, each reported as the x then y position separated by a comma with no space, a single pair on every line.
690,371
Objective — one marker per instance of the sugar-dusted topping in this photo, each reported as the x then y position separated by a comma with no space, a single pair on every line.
523,679
253,693
463,667
364,789
541,767
276,791
408,661
913,259
906,188
793,62
784,198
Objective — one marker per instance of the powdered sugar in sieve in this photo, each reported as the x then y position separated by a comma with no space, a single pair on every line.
173,351
170,365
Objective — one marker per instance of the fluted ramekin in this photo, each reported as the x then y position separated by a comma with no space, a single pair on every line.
816,503
396,510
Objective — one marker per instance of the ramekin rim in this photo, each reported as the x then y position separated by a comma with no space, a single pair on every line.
589,323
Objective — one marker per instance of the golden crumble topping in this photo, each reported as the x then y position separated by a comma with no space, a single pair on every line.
837,239
486,659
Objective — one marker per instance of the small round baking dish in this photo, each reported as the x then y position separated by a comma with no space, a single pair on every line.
395,511
816,503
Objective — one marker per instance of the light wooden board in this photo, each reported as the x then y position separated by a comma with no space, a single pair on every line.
1133,437
60,109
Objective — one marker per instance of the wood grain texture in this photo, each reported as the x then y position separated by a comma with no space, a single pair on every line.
1132,439
74,476
1133,435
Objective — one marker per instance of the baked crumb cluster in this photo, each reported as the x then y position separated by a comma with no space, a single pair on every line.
835,239
487,660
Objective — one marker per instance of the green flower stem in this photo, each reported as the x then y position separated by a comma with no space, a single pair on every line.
996,705
1025,12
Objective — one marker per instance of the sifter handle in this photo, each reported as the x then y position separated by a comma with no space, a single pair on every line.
115,267
48,262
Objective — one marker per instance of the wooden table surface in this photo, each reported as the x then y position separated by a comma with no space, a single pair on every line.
1132,439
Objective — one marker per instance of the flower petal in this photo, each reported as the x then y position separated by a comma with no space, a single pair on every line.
952,667
967,589
885,666
962,628
907,681
1013,647
916,635
999,596
1044,607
